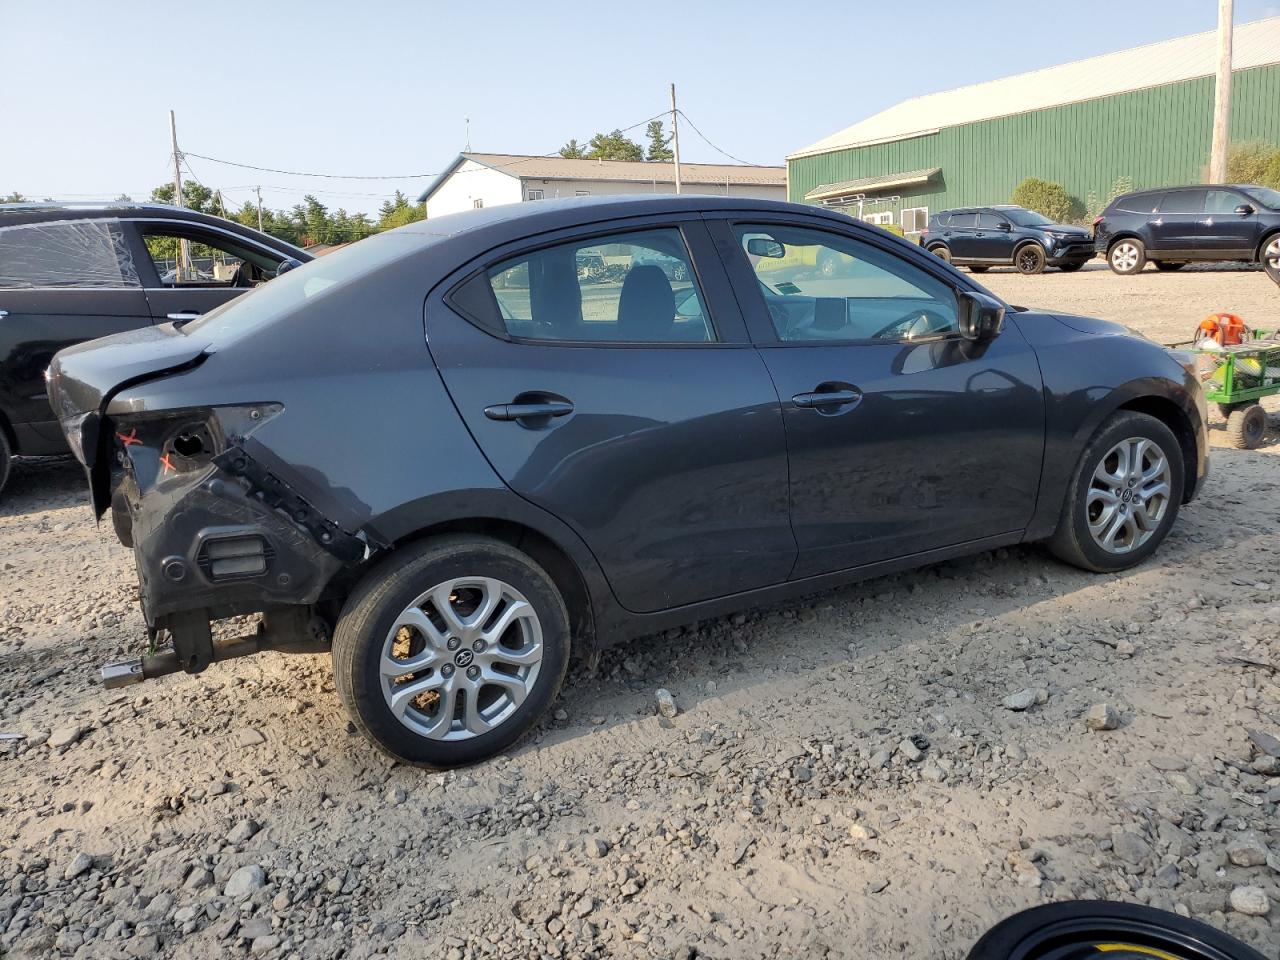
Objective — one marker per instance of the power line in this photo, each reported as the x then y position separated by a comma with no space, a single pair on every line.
713,146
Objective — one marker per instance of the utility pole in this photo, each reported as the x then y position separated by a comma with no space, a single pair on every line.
675,135
1222,97
184,255
258,191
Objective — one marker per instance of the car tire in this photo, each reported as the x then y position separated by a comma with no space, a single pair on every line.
1029,259
1246,426
1071,267
1271,256
393,618
941,252
6,459
1088,534
1127,256
1169,265
978,269
1097,928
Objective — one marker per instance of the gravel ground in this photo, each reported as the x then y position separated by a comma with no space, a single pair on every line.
846,776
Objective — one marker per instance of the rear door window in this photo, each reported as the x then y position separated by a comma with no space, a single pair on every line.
66,254
964,220
635,287
1184,201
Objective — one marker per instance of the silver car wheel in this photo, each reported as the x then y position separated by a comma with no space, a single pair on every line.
1124,256
1271,256
1128,496
461,658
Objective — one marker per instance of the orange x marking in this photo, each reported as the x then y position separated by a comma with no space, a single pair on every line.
129,440
166,462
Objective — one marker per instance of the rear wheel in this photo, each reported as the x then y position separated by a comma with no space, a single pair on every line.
978,269
1246,426
1168,265
6,459
941,252
1127,256
1029,259
451,651
1100,929
1071,267
1124,496
1271,257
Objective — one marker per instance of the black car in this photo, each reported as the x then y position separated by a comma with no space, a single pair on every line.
1175,226
445,456
70,273
984,237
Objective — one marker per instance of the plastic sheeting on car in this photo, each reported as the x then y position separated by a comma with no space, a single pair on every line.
66,253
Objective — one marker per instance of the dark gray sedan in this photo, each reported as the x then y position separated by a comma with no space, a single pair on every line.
449,458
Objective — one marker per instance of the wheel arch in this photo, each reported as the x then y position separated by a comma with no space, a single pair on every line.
1123,235
1262,243
1179,423
1029,240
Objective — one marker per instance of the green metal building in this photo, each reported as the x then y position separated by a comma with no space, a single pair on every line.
1144,114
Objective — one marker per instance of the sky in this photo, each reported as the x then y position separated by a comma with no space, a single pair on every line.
386,87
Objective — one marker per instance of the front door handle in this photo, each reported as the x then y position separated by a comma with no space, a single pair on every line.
826,398
183,316
528,411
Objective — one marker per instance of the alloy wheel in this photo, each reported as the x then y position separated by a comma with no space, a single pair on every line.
1124,256
461,658
1128,495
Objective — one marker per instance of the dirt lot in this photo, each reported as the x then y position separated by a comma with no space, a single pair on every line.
785,811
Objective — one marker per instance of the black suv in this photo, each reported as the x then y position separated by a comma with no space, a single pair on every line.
1177,225
1003,235
70,273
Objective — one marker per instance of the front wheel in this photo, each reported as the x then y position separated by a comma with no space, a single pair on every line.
1029,259
450,652
1124,496
1127,256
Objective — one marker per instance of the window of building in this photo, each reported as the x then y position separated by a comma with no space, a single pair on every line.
820,286
635,287
477,204
915,219
533,194
881,219
582,193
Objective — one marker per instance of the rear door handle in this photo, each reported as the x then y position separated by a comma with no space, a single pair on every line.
183,316
528,411
827,398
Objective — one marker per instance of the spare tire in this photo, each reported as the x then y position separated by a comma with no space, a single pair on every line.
1103,930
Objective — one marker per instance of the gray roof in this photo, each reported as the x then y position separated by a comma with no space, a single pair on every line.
1169,61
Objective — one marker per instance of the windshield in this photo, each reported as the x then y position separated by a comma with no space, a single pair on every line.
281,296
1026,218
1265,196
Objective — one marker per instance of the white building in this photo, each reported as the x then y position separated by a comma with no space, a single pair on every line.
489,179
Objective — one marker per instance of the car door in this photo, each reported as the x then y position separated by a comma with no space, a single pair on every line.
1225,230
61,282
630,404
1177,227
903,437
960,234
188,269
992,242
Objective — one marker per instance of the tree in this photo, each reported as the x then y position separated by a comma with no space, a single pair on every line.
613,146
1044,196
572,151
399,211
659,148
1254,162
195,196
14,197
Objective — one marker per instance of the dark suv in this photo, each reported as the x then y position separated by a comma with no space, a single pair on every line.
1004,235
70,273
1177,225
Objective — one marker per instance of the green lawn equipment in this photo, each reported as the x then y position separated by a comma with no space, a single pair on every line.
1238,367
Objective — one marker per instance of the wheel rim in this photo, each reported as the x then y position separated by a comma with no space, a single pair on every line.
1124,256
1128,495
942,254
1255,425
1028,259
1272,254
461,658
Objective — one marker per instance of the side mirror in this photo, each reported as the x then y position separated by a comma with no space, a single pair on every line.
980,317
1244,209
766,247
1005,226
287,266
